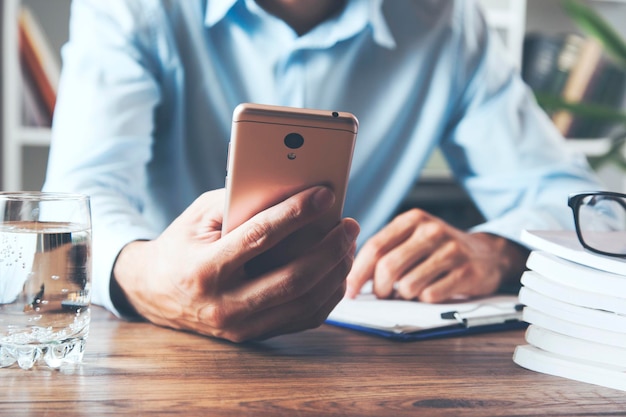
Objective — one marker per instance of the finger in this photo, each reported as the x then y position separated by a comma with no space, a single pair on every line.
268,228
465,280
395,265
299,277
452,285
358,276
206,211
307,315
289,282
310,322
370,254
427,235
437,264
306,311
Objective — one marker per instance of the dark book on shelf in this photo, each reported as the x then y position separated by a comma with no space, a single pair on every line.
575,69
547,61
34,111
540,54
604,86
578,81
40,69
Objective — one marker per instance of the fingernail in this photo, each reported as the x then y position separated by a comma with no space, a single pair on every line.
323,199
351,230
349,292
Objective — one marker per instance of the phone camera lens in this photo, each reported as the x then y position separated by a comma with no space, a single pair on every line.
294,140
335,114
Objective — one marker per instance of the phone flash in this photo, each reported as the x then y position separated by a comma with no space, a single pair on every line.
291,155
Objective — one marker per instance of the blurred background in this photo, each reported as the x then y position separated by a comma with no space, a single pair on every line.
536,32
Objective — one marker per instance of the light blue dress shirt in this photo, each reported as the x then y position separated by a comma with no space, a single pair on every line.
148,88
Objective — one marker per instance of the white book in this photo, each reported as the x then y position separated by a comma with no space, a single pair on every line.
575,348
574,329
565,244
565,311
576,275
539,360
546,286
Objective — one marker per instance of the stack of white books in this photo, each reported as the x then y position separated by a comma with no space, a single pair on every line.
575,304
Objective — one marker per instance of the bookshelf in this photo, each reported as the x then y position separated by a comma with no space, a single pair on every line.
513,19
25,148
546,16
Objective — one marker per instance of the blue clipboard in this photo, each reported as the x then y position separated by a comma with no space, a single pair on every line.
440,332
412,320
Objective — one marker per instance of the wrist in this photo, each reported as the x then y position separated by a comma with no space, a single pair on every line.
123,277
510,258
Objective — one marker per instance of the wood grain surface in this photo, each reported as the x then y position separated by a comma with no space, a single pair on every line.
140,369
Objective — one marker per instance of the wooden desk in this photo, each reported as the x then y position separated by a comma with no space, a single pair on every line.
140,369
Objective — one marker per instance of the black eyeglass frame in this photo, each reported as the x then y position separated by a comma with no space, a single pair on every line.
574,202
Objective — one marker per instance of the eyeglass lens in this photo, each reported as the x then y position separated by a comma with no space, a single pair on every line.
602,223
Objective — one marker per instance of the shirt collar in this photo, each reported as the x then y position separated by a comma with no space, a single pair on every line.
380,29
217,10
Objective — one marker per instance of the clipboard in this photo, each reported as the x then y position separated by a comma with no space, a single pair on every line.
412,320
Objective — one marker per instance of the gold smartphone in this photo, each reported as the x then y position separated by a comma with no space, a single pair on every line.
276,151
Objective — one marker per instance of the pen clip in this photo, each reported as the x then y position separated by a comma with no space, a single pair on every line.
472,321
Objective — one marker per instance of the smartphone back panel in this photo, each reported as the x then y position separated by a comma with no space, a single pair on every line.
276,151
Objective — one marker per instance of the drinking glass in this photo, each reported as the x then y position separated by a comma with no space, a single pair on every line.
45,278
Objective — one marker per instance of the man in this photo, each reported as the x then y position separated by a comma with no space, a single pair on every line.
142,125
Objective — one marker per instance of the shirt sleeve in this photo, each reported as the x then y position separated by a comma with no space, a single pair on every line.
502,146
101,135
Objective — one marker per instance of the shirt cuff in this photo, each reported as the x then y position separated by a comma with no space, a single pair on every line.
510,225
106,247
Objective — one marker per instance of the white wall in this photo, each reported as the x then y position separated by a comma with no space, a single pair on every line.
547,15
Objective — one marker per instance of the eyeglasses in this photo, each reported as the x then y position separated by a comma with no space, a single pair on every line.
600,219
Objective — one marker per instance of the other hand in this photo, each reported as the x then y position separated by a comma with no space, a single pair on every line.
419,256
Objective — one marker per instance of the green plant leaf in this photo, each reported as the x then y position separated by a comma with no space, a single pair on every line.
592,111
597,27
615,155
